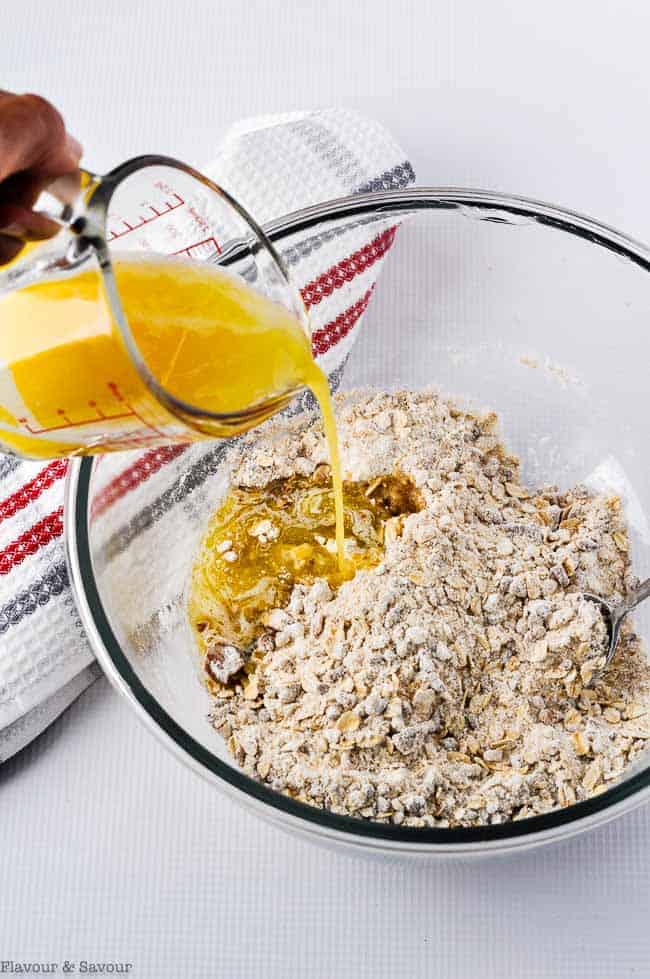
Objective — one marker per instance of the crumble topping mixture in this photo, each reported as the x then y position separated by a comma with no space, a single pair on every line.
455,682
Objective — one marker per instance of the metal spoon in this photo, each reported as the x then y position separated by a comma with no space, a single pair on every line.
614,614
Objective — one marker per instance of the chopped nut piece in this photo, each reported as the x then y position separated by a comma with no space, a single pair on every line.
223,661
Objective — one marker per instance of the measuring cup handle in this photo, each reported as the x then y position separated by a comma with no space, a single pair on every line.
60,199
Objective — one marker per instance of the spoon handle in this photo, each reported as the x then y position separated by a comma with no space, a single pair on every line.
638,595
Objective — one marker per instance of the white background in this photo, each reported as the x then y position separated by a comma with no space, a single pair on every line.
108,847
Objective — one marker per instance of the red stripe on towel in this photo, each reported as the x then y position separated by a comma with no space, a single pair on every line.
348,268
331,333
31,541
31,491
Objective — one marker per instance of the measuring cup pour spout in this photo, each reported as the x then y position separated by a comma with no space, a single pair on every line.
76,377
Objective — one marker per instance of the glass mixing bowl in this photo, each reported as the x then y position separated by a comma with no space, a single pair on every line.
539,313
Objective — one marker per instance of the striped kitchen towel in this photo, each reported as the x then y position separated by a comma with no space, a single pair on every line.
272,165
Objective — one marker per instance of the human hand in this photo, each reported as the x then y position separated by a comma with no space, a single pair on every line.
35,150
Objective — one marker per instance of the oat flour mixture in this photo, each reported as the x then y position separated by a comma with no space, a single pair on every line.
455,683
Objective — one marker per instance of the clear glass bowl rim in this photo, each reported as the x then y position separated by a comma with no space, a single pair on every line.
266,802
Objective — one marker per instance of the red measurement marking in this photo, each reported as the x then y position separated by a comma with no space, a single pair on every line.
31,541
115,391
100,413
135,439
79,424
33,489
96,417
199,218
200,246
172,204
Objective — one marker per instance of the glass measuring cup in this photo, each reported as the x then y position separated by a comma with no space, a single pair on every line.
86,384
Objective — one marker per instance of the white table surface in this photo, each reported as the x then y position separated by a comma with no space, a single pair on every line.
110,849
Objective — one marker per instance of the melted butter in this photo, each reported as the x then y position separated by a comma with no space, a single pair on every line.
263,541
